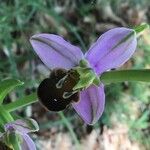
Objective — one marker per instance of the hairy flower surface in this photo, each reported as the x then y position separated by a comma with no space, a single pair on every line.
111,50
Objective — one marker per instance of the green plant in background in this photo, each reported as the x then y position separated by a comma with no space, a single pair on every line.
41,16
14,133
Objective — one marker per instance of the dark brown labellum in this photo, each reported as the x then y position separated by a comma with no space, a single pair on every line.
55,92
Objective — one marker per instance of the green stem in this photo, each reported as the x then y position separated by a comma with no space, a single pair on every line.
69,126
1,125
27,100
13,140
125,75
107,78
5,117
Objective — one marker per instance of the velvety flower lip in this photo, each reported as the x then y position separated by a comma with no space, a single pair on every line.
111,50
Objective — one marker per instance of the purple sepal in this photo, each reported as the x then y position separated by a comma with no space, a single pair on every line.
55,52
112,49
91,104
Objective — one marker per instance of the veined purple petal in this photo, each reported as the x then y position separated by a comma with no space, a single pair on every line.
91,104
55,52
28,143
22,126
112,49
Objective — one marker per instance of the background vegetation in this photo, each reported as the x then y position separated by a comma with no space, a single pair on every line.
126,120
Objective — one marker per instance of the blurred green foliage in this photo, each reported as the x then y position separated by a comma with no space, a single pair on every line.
19,20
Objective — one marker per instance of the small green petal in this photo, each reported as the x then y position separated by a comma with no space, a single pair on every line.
87,77
141,28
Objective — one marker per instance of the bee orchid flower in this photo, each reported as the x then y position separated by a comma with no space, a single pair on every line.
17,132
69,64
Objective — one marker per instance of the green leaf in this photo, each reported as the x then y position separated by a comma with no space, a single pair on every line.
6,86
12,139
5,115
142,122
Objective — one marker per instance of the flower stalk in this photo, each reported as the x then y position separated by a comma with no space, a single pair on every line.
142,75
93,72
5,117
107,78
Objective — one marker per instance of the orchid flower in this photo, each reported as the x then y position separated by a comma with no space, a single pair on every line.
17,132
111,50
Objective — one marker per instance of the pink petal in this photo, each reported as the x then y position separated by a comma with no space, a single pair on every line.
28,143
55,52
91,104
23,126
112,49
